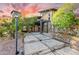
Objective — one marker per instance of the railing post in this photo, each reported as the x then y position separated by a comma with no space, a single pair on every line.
47,27
41,26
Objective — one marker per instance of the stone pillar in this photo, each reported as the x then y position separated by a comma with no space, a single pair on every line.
74,43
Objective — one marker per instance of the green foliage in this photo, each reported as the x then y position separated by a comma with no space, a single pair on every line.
9,28
77,21
2,31
20,23
64,17
29,22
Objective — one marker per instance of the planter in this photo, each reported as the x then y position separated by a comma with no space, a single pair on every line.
74,43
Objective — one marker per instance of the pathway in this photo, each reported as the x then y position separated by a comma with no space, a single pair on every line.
42,44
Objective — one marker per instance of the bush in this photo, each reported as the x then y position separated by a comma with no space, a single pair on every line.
2,31
77,21
64,17
29,22
10,27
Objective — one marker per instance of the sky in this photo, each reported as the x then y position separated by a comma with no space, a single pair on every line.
27,8
24,8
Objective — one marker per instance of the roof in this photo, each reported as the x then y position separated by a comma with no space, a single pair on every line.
53,6
14,11
48,9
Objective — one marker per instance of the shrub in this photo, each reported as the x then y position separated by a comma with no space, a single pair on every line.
2,31
29,22
64,17
77,21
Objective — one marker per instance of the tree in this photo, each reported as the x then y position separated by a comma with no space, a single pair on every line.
30,22
64,17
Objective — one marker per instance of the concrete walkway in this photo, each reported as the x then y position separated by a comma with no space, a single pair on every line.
42,44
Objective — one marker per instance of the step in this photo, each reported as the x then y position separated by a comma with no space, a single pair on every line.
35,33
33,48
30,38
67,51
42,37
45,52
48,34
50,53
53,44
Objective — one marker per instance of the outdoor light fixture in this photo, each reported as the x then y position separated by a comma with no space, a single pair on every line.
16,14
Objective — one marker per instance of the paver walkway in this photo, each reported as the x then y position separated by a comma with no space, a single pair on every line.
42,44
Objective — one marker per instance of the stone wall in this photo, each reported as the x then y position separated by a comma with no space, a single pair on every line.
59,34
74,43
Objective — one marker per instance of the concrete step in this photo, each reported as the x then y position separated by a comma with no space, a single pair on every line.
50,53
53,44
48,34
34,48
33,45
35,33
45,52
30,38
42,37
67,51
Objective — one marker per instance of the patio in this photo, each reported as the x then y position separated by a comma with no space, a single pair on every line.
43,44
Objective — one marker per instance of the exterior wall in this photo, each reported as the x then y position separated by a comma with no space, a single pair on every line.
45,16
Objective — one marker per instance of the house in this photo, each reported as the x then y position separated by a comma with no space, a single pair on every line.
46,17
47,13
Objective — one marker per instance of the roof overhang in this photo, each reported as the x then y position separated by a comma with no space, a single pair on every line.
48,9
